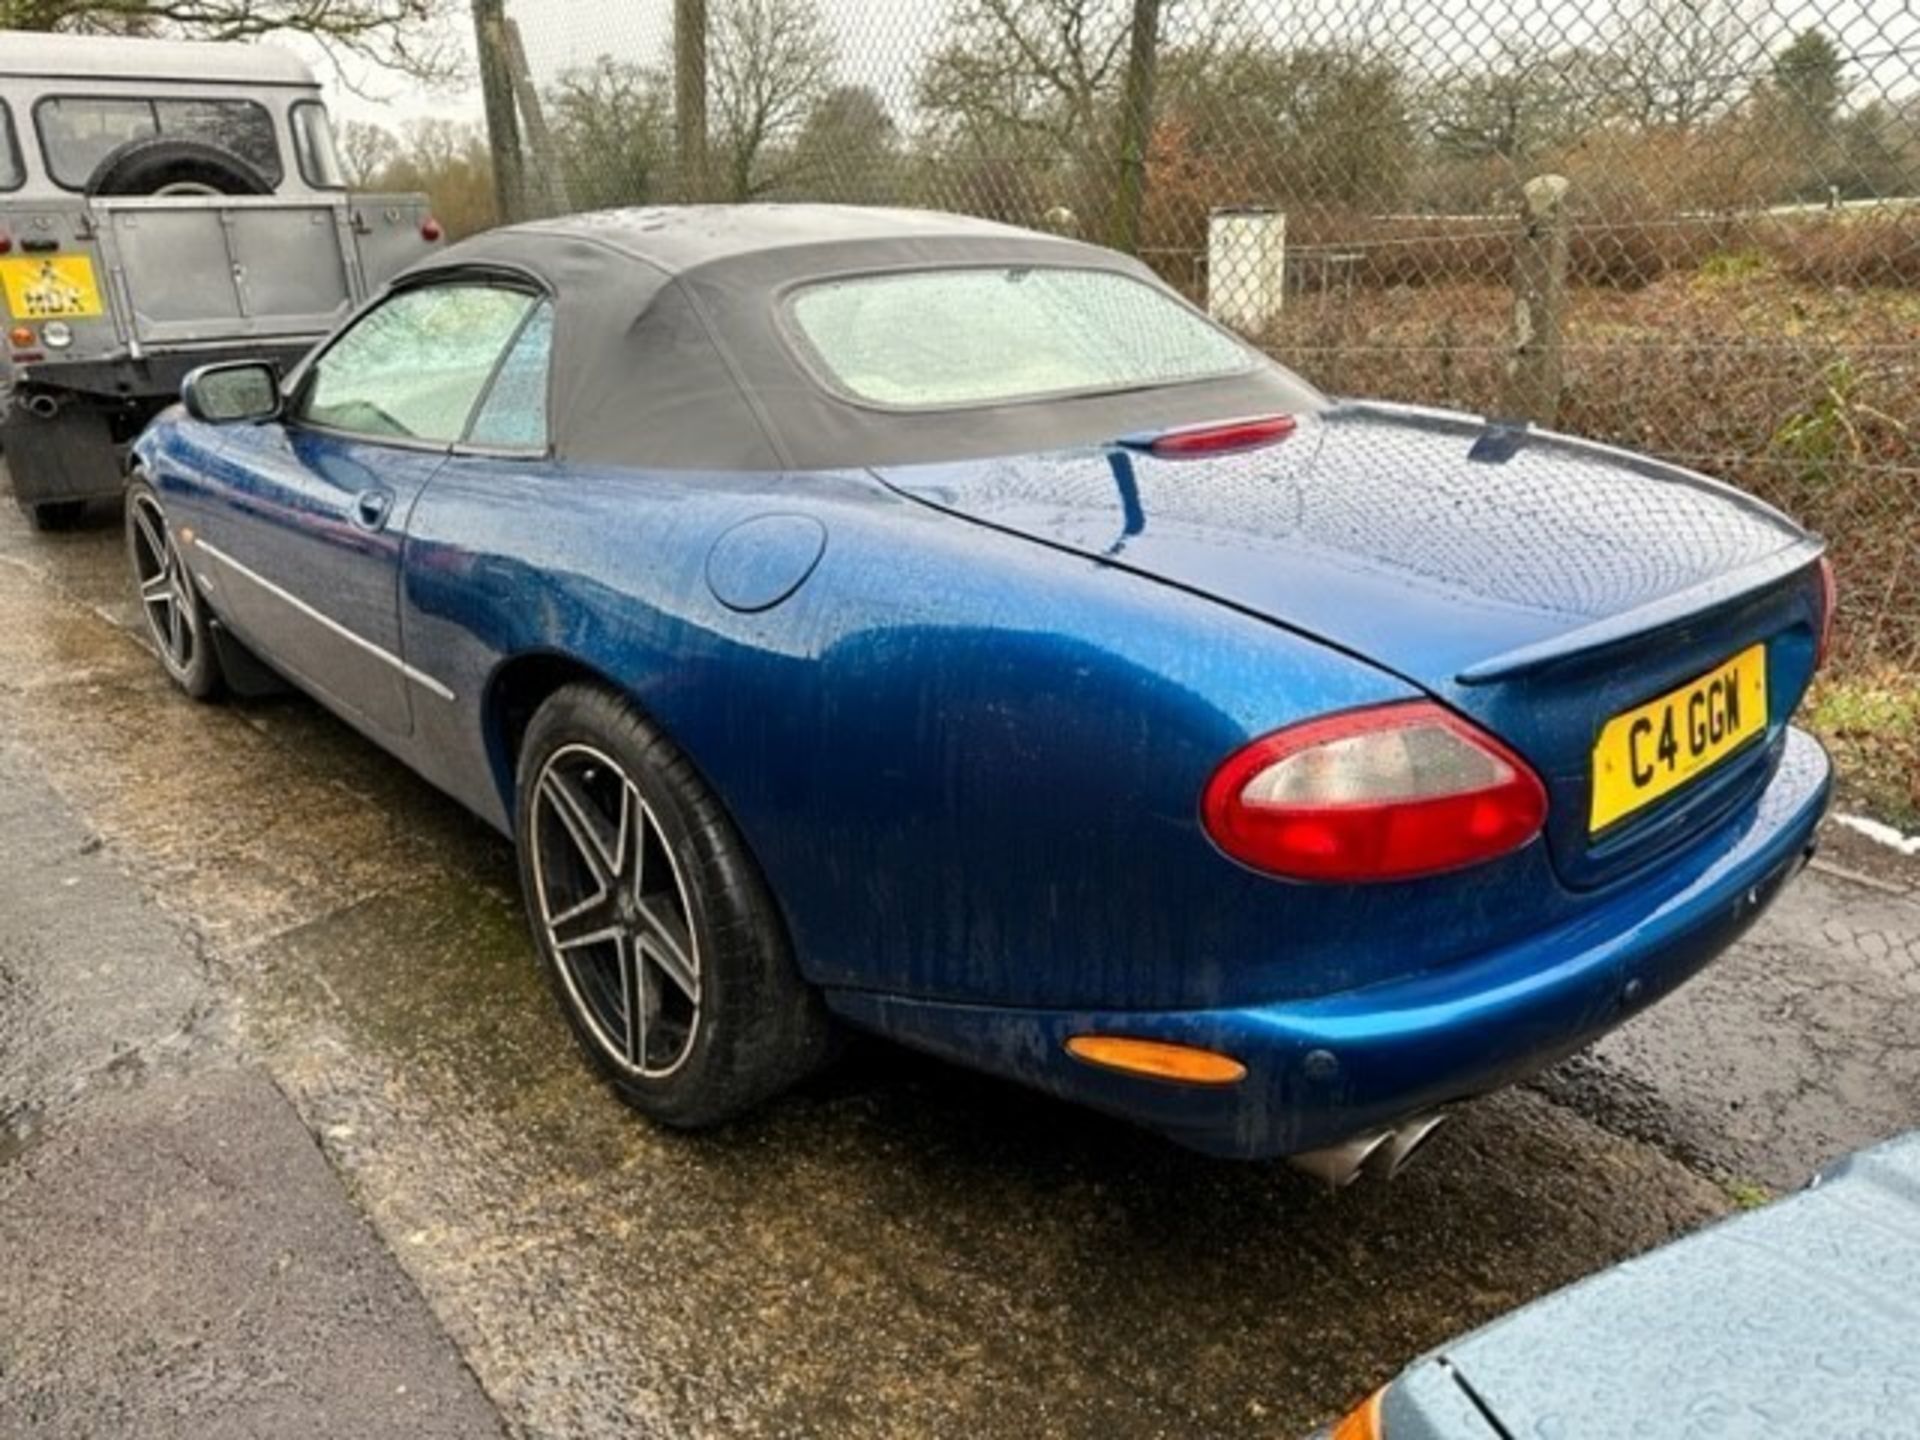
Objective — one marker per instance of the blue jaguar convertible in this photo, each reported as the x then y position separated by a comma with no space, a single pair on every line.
907,622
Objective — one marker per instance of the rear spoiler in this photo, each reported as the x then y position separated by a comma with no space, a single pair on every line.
1615,629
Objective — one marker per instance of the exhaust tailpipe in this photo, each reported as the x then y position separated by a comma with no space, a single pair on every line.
1338,1165
45,406
1388,1160
1380,1153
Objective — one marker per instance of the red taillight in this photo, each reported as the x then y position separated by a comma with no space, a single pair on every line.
1829,602
1386,793
6,243
1216,438
430,230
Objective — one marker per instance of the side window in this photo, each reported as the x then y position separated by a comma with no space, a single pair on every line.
412,368
13,174
237,125
514,414
313,146
77,132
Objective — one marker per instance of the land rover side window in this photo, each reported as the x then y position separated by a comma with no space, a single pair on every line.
77,132
13,173
931,339
313,146
514,414
412,368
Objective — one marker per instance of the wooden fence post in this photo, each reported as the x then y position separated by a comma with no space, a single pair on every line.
548,182
503,122
690,98
1136,129
1539,303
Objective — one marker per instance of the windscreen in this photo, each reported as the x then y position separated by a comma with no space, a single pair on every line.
935,339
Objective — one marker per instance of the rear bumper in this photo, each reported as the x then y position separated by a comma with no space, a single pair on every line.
1324,1069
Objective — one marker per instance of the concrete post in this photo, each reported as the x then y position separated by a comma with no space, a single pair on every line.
1534,375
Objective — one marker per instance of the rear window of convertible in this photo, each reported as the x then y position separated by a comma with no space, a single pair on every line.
932,339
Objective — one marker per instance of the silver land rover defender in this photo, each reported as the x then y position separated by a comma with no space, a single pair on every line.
163,204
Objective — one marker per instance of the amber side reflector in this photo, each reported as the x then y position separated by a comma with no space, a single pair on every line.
1363,1423
1158,1059
21,337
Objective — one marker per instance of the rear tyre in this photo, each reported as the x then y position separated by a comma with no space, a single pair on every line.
656,930
177,620
58,462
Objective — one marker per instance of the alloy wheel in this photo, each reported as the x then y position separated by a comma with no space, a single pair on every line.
614,911
165,589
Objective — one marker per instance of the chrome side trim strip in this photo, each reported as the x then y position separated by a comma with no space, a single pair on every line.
419,677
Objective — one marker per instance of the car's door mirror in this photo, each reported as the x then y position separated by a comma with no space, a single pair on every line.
234,393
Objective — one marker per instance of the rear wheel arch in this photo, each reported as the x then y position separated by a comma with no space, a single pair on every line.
514,694
521,684
525,682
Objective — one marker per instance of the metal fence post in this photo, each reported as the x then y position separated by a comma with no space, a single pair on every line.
1539,302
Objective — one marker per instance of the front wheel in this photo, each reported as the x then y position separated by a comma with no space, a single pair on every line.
176,615
658,934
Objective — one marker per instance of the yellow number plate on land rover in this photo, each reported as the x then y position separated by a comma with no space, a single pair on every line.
1656,748
50,287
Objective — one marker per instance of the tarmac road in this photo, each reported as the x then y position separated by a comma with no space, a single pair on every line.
901,1249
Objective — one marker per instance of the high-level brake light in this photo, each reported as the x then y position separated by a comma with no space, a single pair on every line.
1217,437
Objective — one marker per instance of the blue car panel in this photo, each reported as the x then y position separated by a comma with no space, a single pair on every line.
1797,1320
1322,1068
320,516
962,713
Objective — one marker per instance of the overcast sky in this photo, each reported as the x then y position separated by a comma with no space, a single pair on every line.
882,42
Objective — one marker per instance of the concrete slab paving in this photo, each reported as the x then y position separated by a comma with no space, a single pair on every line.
182,1262
176,1256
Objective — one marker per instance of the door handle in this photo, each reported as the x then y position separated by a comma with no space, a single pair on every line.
370,508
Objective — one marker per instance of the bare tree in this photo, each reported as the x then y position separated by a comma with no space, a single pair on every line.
613,126
771,62
1523,100
848,151
1029,68
449,160
405,35
366,150
1301,125
1680,63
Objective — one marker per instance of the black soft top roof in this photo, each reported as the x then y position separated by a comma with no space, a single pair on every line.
669,347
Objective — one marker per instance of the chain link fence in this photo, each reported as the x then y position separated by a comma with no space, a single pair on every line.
1730,276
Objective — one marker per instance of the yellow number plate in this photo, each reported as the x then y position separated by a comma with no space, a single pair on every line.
50,287
1648,751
